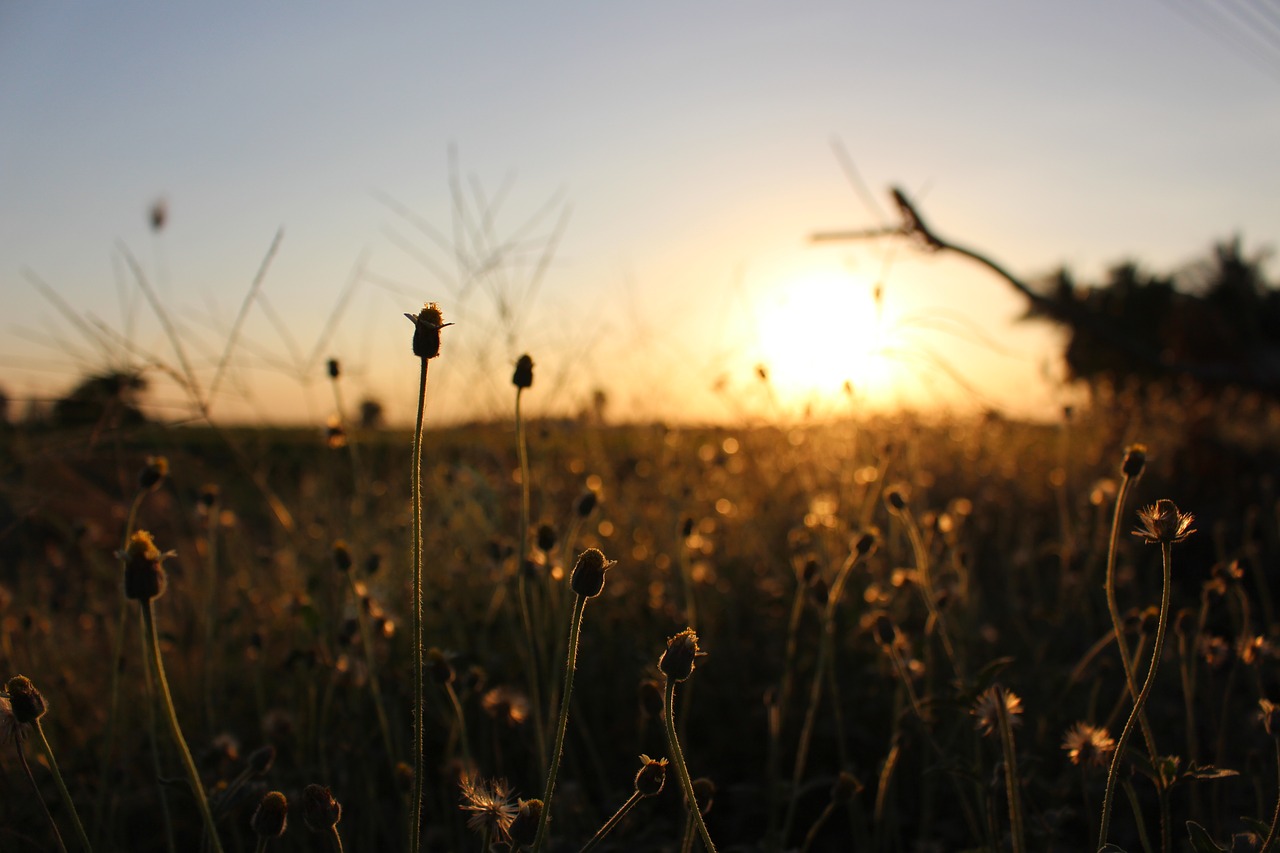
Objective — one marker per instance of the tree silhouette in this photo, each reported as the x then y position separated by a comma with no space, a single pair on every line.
109,400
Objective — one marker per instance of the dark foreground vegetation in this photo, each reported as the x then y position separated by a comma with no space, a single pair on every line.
908,644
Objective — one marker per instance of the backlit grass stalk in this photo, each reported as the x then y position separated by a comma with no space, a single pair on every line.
897,504
1135,459
427,324
677,664
175,729
1011,783
26,768
586,582
27,707
1162,524
522,379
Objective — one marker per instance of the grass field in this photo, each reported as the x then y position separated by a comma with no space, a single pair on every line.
905,621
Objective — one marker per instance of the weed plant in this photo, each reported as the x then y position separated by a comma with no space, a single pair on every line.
922,634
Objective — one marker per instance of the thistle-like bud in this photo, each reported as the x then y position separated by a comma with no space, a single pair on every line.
153,473
523,377
586,503
524,828
342,556
335,369
144,576
209,494
651,697
677,661
24,699
896,499
1135,459
319,809
546,538
588,573
427,324
651,776
886,632
866,543
271,816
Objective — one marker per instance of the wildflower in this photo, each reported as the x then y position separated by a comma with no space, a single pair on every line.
153,472
677,661
144,576
1088,746
523,377
319,809
1135,459
489,802
507,705
427,324
1163,523
271,816
651,776
588,573
987,709
25,701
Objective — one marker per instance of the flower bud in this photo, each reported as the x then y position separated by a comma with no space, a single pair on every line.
677,661
342,556
523,377
152,473
651,776
524,828
261,759
24,699
427,324
1135,459
271,816
319,809
546,537
586,503
335,369
588,573
144,577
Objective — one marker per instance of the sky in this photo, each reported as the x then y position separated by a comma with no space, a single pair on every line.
624,191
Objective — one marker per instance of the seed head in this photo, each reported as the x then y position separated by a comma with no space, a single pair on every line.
153,472
866,543
1162,523
271,816
427,324
489,802
523,377
1088,746
1135,459
26,702
588,573
144,577
677,661
524,828
895,499
320,810
651,776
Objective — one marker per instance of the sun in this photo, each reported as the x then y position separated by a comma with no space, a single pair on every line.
823,329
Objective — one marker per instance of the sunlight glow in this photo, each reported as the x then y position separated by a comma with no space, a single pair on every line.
821,329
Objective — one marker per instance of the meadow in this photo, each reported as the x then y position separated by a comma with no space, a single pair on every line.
903,633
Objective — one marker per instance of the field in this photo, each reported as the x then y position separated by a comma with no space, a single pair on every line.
904,620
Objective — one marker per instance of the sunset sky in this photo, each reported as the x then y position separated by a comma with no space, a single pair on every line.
655,170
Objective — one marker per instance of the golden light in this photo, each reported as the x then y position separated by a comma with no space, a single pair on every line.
821,329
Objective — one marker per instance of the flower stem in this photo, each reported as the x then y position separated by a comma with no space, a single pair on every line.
171,716
612,822
62,788
415,805
1011,783
677,759
1113,773
22,759
553,766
